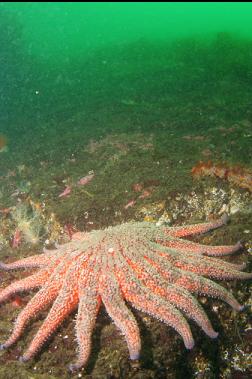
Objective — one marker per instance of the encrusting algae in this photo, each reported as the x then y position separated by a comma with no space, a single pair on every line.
236,175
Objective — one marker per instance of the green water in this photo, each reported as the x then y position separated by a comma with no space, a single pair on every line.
98,52
62,31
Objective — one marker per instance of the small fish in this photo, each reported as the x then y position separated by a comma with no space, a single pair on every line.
130,204
146,193
16,240
86,179
66,192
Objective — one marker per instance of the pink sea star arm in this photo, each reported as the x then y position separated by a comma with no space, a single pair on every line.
206,266
89,305
179,297
204,286
42,299
62,286
161,310
64,304
185,246
120,313
35,280
195,283
26,284
29,262
188,230
154,305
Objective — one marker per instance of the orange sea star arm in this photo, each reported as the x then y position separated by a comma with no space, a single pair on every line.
188,230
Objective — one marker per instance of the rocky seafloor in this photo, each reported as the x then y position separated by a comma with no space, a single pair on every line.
137,176
140,173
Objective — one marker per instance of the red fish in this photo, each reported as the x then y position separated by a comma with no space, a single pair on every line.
130,204
146,193
66,191
86,179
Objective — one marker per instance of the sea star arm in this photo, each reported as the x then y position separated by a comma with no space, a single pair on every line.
206,266
42,299
26,284
204,286
154,305
179,297
64,304
195,283
113,300
28,262
88,308
66,295
185,246
188,230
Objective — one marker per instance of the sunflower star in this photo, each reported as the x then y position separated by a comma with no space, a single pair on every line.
147,265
